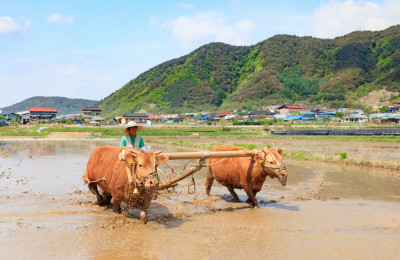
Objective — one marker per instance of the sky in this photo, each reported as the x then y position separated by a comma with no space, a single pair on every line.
89,49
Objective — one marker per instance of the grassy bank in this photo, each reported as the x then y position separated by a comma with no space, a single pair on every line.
342,158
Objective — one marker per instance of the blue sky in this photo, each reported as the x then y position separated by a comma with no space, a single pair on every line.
89,49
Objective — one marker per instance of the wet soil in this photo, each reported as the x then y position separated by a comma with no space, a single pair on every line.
325,211
363,150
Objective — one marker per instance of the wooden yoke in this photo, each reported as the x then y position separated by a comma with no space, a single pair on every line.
200,155
202,162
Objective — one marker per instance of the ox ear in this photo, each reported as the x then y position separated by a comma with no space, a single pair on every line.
280,151
161,159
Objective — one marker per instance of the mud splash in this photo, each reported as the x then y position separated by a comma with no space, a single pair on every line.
328,211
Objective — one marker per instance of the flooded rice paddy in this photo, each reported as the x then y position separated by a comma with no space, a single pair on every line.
326,211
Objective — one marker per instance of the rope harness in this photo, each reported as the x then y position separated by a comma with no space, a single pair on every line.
201,163
128,167
262,164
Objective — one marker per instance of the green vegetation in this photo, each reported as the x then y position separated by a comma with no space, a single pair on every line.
283,69
297,88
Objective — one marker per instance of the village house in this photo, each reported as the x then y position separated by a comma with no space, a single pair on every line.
391,119
228,115
184,118
355,119
386,118
23,116
289,109
296,118
155,118
395,108
10,117
138,118
39,115
73,117
92,114
308,114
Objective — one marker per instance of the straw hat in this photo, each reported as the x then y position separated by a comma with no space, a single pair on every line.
131,124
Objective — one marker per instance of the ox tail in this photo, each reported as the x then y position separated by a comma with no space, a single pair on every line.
85,177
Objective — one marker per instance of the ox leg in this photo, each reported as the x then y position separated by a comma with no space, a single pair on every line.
209,180
143,216
93,188
249,200
106,198
143,213
252,197
117,206
234,195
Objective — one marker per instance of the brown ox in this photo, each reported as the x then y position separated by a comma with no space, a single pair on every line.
125,175
244,172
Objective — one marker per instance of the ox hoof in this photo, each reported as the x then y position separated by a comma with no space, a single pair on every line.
143,217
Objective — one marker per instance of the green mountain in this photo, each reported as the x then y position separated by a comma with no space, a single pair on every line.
63,105
282,69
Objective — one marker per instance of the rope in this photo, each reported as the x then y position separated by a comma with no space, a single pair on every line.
206,154
271,167
102,179
171,168
194,186
216,162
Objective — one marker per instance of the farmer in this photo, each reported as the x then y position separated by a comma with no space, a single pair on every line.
131,139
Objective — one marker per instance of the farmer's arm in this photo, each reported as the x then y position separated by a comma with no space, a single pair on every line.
141,144
123,142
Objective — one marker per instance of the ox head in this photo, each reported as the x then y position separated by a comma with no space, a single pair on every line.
270,161
143,166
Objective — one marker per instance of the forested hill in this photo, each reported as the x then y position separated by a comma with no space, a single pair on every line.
282,69
63,105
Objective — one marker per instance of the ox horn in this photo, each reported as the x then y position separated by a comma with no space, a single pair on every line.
134,153
157,152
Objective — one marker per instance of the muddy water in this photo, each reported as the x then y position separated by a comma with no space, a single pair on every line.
325,211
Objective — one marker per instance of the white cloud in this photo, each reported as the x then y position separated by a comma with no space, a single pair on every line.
59,18
7,25
209,27
186,6
28,23
336,18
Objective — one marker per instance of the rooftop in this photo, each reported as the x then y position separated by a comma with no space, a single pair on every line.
43,110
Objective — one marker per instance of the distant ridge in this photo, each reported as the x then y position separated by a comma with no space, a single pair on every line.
282,69
63,105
